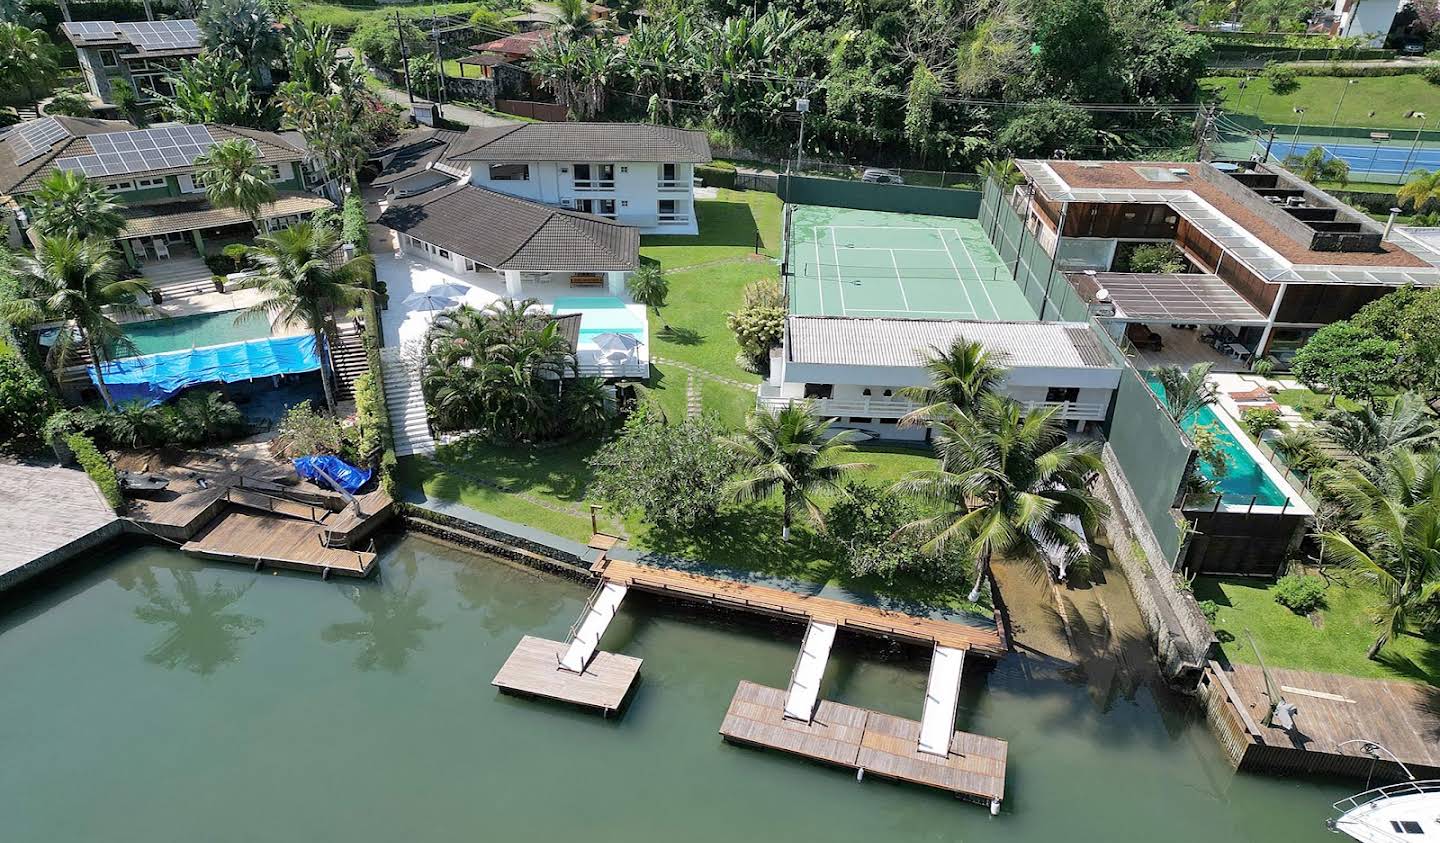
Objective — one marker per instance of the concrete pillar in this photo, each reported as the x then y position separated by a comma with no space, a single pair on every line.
615,283
512,283
199,242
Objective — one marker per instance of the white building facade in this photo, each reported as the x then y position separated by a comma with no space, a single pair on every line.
657,198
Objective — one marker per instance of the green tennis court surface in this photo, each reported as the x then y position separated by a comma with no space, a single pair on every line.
846,262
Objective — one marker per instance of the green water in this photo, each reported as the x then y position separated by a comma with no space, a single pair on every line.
157,336
156,698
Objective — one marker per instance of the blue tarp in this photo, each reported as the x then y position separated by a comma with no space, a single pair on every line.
348,476
155,377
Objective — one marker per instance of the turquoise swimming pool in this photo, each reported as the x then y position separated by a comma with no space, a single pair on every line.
1246,479
601,315
158,336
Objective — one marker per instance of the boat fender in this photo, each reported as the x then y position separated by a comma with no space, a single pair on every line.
994,807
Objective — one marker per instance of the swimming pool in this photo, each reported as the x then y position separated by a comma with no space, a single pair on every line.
158,336
1246,480
601,315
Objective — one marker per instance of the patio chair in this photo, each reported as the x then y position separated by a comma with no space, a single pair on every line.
138,247
162,251
1142,337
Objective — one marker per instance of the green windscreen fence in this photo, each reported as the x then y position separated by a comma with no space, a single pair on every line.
897,198
1150,448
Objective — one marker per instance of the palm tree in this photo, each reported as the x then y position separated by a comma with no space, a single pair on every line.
959,377
300,283
27,62
649,286
1006,481
1185,390
235,178
1393,538
1367,432
1004,172
795,453
1422,189
134,424
573,21
72,281
68,203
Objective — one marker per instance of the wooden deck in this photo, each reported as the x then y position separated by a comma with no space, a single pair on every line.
533,669
1404,717
759,598
278,541
50,514
875,743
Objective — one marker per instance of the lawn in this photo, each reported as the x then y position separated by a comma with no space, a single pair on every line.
729,225
1312,404
348,17
1374,101
1335,641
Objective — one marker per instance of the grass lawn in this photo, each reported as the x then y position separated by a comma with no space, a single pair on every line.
1312,404
1334,643
1390,98
347,17
728,223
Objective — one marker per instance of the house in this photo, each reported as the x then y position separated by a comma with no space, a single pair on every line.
139,54
1370,20
1267,258
171,227
634,173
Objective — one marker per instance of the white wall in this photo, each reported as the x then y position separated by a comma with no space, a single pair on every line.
636,191
1369,17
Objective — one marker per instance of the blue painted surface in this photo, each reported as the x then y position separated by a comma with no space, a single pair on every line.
1368,157
601,315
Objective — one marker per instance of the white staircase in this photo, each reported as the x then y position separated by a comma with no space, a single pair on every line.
942,692
406,403
591,626
804,689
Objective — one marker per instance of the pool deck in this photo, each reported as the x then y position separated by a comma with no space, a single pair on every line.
51,514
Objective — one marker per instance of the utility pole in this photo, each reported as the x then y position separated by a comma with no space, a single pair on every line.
1269,142
1404,168
404,56
439,64
1343,91
802,105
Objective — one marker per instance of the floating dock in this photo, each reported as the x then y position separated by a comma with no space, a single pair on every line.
868,742
51,515
533,669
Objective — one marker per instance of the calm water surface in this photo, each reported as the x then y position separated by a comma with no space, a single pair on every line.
157,698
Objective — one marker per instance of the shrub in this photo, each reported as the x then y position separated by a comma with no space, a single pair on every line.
304,432
378,41
353,228
1257,420
202,418
1210,609
1157,257
759,324
70,102
1432,74
1299,593
1280,77
370,420
862,523
97,467
25,403
717,174
1263,366
674,475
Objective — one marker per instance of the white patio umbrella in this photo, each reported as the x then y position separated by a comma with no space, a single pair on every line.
438,296
611,342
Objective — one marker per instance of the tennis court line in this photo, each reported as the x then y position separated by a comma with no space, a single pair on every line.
839,272
960,279
994,311
900,282
819,279
963,313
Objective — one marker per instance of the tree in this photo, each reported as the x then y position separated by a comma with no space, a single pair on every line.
1076,49
576,72
69,102
862,523
1370,432
378,40
25,403
925,88
1157,258
1347,360
674,475
1003,172
960,376
1045,126
243,31
1422,189
300,283
19,11
234,177
795,453
759,324
27,64
215,89
1393,538
1184,391
73,281
1411,317
67,203
573,20
1006,481
1314,166
648,286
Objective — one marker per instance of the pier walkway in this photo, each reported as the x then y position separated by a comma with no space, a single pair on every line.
50,515
809,669
585,636
942,692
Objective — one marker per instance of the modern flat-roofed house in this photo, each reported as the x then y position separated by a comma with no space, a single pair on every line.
1267,258
634,173
854,369
170,224
139,54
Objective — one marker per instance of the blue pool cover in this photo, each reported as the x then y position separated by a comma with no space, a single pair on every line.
155,377
348,476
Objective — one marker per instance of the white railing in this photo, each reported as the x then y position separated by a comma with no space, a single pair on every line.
673,184
595,184
894,408
673,219
602,369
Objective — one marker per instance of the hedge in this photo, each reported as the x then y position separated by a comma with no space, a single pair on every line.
353,228
717,174
98,467
1336,70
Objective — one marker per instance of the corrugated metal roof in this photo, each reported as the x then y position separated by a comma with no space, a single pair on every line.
851,341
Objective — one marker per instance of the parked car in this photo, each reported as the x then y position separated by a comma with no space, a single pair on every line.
1412,45
877,175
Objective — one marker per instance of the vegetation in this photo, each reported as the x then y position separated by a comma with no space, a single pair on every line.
235,177
1300,593
1371,102
649,287
863,524
1257,420
1315,166
759,322
69,102
25,403
215,89
959,377
68,204
27,64
1369,432
1346,358
1157,257
97,467
1185,391
670,475
244,31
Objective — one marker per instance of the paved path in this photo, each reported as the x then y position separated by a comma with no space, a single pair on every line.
457,113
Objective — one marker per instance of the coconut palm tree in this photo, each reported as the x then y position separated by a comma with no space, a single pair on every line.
234,177
649,286
27,62
1367,432
73,281
300,282
1422,189
1393,538
68,203
1185,390
959,377
794,452
573,20
1006,480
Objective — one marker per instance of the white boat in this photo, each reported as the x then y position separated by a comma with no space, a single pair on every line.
1408,811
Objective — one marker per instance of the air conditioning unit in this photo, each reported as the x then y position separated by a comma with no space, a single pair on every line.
567,203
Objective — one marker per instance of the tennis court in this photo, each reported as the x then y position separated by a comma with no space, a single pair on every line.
846,262
1375,158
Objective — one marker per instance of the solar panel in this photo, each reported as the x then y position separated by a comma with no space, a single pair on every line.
34,138
163,34
160,148
92,30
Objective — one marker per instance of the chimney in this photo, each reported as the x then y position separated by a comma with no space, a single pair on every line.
1389,224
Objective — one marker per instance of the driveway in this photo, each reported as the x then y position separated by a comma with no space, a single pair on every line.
456,113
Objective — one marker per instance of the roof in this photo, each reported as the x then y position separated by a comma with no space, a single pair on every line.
34,148
504,232
483,59
415,152
148,38
853,341
519,44
186,215
1166,297
569,327
607,142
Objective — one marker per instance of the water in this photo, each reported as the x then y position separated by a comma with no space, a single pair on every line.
158,698
157,336
1246,480
601,315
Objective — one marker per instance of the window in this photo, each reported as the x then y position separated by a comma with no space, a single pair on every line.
582,173
147,184
472,266
1062,393
275,172
120,186
667,173
1406,827
819,390
603,207
108,58
667,207
509,172
444,254
594,176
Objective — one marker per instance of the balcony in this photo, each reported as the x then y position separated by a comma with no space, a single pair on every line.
672,219
894,408
673,184
592,185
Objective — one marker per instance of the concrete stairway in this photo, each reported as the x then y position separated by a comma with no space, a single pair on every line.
347,356
408,421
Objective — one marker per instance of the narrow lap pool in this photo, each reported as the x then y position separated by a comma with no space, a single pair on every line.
158,336
1246,479
601,315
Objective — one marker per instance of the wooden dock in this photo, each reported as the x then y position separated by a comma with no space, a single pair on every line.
278,541
50,515
533,669
867,741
